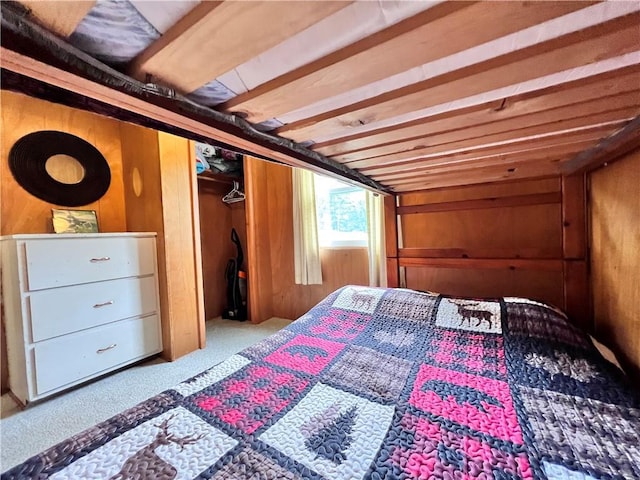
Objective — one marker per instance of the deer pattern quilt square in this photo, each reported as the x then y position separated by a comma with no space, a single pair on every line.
380,384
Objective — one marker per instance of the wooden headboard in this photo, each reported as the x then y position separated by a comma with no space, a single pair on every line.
524,238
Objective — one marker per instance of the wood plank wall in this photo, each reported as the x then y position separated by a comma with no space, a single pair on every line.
21,212
524,238
615,257
270,236
160,189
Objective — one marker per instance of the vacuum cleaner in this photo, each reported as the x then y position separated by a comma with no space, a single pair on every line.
236,308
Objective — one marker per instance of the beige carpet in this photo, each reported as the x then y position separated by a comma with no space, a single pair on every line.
23,433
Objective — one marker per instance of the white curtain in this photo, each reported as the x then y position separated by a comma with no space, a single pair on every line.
375,233
305,229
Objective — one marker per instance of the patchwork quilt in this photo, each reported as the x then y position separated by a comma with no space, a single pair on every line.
381,384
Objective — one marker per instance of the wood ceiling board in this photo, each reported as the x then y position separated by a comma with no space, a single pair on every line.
606,40
442,30
551,167
502,160
215,37
599,131
579,93
481,176
61,17
600,111
478,192
555,148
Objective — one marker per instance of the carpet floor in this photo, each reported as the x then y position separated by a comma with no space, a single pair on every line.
24,433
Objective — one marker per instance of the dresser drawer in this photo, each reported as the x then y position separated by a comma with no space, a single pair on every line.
72,358
69,309
61,262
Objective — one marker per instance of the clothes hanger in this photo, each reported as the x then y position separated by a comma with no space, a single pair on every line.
235,195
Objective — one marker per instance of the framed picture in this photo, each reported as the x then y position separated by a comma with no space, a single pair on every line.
74,221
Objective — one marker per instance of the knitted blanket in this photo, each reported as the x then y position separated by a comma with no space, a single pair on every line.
381,384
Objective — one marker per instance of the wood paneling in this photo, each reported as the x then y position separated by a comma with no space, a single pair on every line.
164,203
181,231
21,212
512,249
273,227
542,285
533,226
477,192
492,202
259,220
615,256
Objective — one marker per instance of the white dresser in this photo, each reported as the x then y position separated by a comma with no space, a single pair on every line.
77,306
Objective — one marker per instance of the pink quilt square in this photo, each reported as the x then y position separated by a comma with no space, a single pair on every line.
306,354
481,403
341,324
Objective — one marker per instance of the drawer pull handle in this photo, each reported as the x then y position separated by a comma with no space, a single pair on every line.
100,259
98,305
102,350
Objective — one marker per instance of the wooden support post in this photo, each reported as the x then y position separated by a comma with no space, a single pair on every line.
574,220
391,240
577,299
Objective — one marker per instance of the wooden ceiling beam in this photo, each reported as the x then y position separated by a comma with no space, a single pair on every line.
511,166
216,37
437,32
606,40
496,174
578,94
508,159
612,148
601,111
60,17
598,131
533,149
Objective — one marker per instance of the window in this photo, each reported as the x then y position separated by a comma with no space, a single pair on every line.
341,213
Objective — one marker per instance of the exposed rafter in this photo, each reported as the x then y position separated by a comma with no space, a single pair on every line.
216,37
569,99
605,40
442,30
61,17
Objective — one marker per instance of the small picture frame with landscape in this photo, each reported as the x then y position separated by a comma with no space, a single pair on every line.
74,221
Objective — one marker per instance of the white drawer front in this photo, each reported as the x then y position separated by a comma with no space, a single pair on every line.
69,359
69,309
60,262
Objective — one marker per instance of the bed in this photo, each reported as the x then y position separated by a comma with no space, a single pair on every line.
381,384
